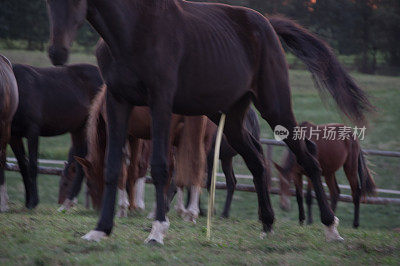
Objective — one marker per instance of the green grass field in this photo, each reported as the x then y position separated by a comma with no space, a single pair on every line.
45,237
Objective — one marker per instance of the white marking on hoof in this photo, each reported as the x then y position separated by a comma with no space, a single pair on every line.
94,235
179,206
192,212
3,198
190,215
331,232
139,193
158,232
67,205
123,203
263,234
152,214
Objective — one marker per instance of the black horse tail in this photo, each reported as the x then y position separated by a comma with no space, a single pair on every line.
327,72
367,182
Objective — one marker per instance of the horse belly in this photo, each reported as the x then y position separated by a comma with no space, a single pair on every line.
209,89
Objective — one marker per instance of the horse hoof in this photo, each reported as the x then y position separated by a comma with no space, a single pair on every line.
190,216
67,205
225,215
264,234
31,205
122,213
331,232
154,243
356,225
301,222
94,235
158,232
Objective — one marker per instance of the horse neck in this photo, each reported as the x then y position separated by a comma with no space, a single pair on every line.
115,20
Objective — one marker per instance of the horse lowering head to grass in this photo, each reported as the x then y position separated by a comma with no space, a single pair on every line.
52,101
201,59
187,135
136,151
8,107
332,154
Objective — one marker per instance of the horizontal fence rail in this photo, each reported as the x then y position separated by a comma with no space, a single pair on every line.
11,166
366,151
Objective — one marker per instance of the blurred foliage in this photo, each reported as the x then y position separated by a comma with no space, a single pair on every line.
365,29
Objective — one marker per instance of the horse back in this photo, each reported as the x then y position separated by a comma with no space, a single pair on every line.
56,100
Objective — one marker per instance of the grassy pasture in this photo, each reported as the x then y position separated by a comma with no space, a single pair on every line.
44,237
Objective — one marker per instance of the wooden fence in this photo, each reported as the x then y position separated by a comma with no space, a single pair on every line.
11,166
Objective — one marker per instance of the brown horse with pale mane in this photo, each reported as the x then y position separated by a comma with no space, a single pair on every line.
332,152
190,58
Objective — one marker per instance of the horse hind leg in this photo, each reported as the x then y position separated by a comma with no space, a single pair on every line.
274,103
350,169
230,184
251,151
309,201
298,182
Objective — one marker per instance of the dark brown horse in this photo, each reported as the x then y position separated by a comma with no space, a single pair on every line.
200,59
8,107
332,154
52,101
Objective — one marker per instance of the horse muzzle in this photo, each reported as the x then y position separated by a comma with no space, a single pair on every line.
58,56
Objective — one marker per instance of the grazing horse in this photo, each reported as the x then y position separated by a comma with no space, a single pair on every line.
52,101
332,154
193,58
226,156
185,135
8,107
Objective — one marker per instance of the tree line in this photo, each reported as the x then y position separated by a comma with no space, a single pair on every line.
366,30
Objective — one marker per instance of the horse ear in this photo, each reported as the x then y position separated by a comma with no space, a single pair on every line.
82,161
311,147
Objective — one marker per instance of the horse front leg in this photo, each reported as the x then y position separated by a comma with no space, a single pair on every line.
118,111
161,111
33,143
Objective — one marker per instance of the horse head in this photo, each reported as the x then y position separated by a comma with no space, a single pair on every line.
66,17
66,181
95,180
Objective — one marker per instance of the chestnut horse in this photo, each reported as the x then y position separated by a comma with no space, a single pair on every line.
8,107
185,135
332,154
193,58
52,101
